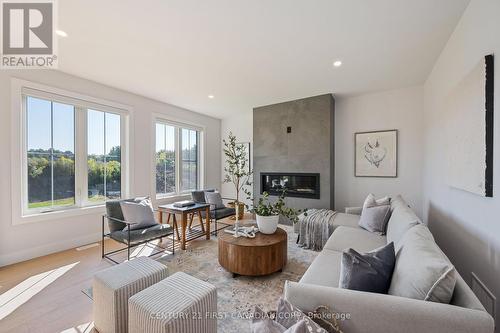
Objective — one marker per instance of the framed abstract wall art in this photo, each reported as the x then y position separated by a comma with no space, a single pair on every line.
376,154
469,131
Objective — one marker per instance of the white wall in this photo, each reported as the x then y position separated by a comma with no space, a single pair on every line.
400,109
466,226
22,242
241,125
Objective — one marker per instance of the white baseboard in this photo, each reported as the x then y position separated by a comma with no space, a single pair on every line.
39,251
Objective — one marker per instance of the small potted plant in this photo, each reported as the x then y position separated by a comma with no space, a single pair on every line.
237,171
268,213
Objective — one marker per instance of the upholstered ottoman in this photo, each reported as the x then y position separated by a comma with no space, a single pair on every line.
177,304
113,287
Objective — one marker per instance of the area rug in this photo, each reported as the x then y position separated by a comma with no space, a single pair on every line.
238,296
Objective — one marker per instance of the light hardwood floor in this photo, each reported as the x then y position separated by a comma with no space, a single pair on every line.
43,303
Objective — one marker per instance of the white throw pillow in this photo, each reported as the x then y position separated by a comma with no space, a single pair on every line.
214,198
141,213
370,201
422,271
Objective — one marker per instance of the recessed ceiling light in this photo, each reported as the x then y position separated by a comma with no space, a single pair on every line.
211,96
337,63
61,33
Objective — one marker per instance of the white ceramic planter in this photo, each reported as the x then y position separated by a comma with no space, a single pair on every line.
267,224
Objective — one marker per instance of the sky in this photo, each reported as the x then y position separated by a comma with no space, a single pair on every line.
39,127
100,125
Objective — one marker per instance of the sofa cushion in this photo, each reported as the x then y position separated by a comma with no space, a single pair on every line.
355,238
324,270
220,213
422,271
142,235
401,220
346,220
370,272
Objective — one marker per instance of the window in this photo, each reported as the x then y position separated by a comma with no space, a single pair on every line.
189,165
103,156
165,159
72,152
50,153
177,159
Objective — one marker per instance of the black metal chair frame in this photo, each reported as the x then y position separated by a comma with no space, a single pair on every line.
130,246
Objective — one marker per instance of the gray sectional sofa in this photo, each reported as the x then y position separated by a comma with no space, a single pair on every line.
383,313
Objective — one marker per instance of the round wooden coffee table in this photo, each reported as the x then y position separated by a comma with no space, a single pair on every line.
262,255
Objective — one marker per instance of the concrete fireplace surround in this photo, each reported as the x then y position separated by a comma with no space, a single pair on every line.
308,148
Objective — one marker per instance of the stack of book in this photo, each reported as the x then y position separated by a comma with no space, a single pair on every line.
184,203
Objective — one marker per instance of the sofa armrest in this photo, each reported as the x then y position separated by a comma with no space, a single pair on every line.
353,210
380,313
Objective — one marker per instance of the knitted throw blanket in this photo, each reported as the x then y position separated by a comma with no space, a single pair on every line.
315,228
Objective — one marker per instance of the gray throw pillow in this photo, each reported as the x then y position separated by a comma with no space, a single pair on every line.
140,213
262,323
374,219
370,272
422,270
288,316
214,198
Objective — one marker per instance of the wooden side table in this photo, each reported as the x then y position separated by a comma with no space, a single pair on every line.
184,212
262,255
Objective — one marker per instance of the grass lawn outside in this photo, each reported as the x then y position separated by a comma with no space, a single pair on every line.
59,202
64,202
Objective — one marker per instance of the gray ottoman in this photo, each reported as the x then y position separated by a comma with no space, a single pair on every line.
113,287
177,304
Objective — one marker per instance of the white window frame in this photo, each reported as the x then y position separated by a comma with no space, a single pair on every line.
21,89
178,125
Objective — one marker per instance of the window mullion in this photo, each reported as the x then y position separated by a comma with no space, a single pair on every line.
178,156
52,153
165,161
81,165
104,159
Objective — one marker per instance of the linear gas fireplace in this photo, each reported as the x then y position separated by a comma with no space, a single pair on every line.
301,185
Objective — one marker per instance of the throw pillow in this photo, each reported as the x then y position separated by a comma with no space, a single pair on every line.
370,272
262,323
287,316
374,219
370,201
214,198
422,271
141,213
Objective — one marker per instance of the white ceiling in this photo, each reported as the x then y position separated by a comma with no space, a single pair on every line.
254,52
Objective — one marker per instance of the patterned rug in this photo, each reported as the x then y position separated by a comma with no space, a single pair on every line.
238,296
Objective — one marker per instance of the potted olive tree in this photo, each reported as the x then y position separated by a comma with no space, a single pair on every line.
268,213
237,170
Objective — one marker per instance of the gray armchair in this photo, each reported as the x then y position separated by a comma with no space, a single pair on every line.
120,231
215,213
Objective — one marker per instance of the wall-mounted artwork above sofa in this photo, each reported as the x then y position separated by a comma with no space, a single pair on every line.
376,154
469,131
